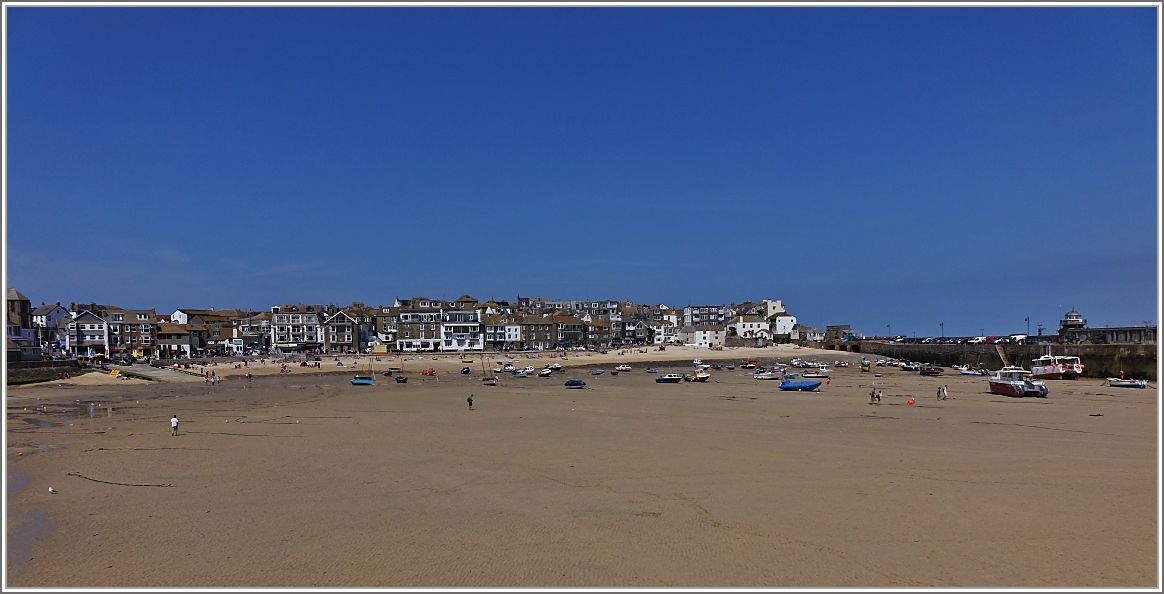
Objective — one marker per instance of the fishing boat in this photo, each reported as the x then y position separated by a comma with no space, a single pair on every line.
547,372
556,366
1056,367
731,367
717,366
698,376
907,366
748,365
652,370
931,370
465,370
866,366
365,380
575,383
1016,381
966,370
821,371
1116,382
597,371
670,378
799,385
766,375
623,367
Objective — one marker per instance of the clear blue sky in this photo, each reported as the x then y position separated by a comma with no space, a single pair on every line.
869,166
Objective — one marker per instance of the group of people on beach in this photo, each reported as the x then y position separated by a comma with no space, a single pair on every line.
874,396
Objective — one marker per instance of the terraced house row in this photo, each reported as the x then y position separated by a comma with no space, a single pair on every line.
418,324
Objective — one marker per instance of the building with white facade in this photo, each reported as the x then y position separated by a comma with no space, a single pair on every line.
297,328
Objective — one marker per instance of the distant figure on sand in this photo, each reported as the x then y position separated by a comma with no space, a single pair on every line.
945,394
470,402
872,395
174,425
878,397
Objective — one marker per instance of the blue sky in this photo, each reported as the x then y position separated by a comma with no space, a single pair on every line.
869,166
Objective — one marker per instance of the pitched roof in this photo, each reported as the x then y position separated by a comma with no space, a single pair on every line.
14,295
45,309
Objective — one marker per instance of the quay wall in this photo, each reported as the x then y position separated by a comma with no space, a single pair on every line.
21,369
1099,360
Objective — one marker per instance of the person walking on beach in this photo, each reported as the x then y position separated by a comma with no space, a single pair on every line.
939,392
945,393
470,402
174,425
878,397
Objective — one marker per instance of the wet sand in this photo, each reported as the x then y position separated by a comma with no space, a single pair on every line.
302,479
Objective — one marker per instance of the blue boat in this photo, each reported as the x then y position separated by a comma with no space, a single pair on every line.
464,371
614,373
652,370
799,386
597,371
575,383
400,379
363,380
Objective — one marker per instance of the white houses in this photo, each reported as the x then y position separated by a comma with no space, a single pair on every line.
461,330
664,332
703,335
297,328
750,327
784,323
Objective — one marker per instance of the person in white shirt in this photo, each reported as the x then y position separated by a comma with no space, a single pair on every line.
174,425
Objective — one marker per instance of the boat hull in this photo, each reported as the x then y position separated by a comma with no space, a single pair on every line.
1016,389
1116,382
668,380
799,386
363,381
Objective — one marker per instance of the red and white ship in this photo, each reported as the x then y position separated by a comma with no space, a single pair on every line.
1016,381
1055,367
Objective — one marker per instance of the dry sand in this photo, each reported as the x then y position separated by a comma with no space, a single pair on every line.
301,479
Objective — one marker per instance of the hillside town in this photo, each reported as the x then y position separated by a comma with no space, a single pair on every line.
417,324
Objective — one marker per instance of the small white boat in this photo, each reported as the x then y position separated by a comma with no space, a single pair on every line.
698,376
623,367
822,371
545,373
1116,382
766,375
1016,381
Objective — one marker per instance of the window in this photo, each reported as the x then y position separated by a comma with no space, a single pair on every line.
116,328
142,316
118,317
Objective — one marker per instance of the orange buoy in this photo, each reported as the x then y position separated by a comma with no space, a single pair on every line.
130,434
20,453
910,402
954,397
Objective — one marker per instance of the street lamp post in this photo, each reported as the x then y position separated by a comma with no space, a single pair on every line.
890,327
943,325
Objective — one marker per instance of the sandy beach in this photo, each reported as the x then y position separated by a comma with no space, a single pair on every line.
301,479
